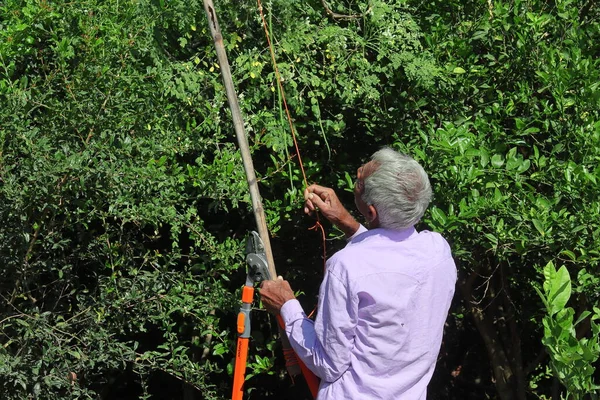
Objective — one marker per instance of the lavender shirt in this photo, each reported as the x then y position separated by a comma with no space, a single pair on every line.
382,307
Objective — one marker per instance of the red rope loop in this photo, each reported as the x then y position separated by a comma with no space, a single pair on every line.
290,357
318,225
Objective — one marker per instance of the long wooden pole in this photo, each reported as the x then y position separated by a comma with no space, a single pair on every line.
238,123
298,367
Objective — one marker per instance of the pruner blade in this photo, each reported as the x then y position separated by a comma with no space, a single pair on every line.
258,269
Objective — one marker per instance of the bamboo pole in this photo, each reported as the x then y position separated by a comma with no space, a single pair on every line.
238,123
293,368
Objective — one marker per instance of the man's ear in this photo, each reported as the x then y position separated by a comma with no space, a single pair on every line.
372,214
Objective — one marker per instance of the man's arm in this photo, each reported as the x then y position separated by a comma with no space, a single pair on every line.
325,345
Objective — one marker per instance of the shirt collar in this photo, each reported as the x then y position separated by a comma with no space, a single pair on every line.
392,234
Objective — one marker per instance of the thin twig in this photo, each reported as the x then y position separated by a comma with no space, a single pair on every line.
12,316
491,9
207,339
335,15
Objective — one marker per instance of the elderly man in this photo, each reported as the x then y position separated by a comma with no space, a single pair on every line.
385,296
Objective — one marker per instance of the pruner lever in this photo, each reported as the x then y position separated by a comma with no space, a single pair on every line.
258,271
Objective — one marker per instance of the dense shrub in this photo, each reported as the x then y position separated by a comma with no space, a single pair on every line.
124,206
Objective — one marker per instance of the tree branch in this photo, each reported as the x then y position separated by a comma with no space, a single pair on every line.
335,15
207,339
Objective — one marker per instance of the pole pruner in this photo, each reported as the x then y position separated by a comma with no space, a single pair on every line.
258,271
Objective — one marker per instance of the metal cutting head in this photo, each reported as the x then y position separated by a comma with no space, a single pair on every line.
258,269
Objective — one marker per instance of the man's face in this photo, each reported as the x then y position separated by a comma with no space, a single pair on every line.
361,174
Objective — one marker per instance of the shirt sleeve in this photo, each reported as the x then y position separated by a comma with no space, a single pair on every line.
361,229
325,345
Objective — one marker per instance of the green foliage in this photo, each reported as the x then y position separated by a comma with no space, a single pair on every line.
123,198
124,204
572,358
110,266
511,139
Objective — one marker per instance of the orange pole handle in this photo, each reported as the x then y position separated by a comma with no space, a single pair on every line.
241,355
239,374
311,379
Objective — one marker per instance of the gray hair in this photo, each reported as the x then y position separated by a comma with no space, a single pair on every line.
399,189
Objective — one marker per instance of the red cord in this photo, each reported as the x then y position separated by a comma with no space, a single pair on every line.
318,225
280,85
290,357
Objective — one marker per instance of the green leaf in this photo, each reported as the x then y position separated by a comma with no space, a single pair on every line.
543,298
531,130
539,226
438,215
497,160
493,239
549,274
75,354
524,166
560,290
569,254
583,316
498,197
512,163
564,320
459,70
485,158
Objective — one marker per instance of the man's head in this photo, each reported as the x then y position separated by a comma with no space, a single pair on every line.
392,190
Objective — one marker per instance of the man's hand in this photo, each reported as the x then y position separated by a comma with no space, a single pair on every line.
274,294
327,202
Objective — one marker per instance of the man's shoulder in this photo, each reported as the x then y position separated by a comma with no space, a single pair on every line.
382,238
346,262
424,247
436,242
